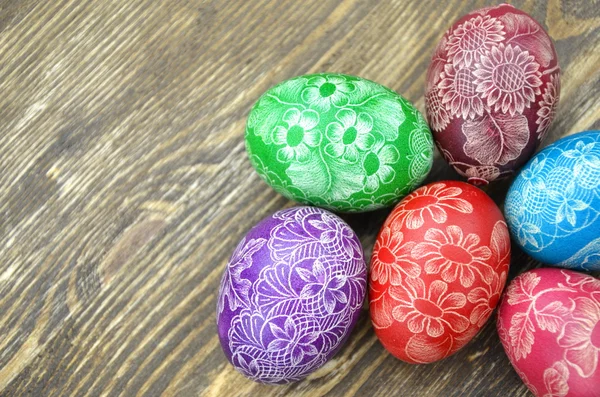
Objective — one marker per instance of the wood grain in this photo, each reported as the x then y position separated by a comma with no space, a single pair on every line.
125,185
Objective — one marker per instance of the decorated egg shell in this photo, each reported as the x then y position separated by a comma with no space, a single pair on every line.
339,142
492,91
290,295
437,271
549,325
553,205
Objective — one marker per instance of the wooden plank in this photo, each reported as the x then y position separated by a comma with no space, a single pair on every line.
125,184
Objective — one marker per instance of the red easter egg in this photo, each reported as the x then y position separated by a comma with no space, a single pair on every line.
437,270
549,325
492,91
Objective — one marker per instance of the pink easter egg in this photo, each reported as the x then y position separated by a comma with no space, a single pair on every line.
549,325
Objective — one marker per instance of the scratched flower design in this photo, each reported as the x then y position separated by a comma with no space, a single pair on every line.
437,114
587,163
457,89
508,78
434,200
432,309
337,237
522,208
324,91
535,172
581,336
322,286
293,341
454,255
298,137
377,167
583,281
548,106
568,204
556,380
486,299
582,151
534,192
350,135
482,174
471,38
529,233
391,258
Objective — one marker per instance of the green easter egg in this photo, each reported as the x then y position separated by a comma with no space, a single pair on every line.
339,142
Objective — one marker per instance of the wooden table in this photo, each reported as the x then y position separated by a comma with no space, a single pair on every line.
125,185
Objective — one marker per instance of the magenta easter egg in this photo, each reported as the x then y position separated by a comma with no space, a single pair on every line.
549,325
492,91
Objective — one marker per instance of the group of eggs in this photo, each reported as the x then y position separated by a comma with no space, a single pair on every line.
293,289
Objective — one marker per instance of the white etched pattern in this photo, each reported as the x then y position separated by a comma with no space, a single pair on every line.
555,380
338,142
421,157
554,197
482,80
548,106
430,201
288,321
458,92
455,256
508,78
433,312
572,323
468,41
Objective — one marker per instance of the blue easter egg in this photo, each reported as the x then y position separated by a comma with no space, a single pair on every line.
553,205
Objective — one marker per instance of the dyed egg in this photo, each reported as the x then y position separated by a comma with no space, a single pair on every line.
437,271
290,295
549,325
338,142
492,91
553,205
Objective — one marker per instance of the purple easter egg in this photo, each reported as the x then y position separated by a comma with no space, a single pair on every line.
290,295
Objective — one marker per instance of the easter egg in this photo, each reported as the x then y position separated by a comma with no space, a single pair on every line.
339,142
290,294
437,270
492,91
553,205
549,325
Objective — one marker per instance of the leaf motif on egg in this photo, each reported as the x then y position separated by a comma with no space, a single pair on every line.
234,287
553,205
529,35
290,294
437,270
548,106
339,142
493,79
498,139
552,341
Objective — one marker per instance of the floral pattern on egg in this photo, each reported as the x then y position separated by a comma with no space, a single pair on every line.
290,295
438,268
553,205
549,325
492,91
337,141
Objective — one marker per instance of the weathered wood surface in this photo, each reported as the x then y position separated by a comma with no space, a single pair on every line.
125,185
